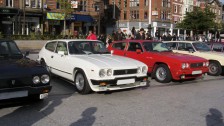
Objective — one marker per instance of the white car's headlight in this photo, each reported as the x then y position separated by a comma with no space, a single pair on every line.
102,73
45,79
139,70
36,80
144,70
109,72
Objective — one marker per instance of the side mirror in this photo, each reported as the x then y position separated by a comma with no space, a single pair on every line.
191,51
26,53
138,51
62,53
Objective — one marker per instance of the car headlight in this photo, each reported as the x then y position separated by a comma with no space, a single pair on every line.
102,73
36,79
139,70
109,72
187,65
144,70
45,79
207,64
183,66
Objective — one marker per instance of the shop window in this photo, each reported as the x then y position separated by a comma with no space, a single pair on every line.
134,3
9,3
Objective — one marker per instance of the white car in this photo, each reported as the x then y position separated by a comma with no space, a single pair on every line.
91,67
201,49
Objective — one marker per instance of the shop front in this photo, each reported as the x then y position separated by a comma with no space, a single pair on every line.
9,21
162,28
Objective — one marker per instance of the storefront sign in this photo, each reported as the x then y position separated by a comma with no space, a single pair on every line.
144,24
54,22
134,24
164,25
55,16
77,24
74,4
8,11
6,22
123,25
154,13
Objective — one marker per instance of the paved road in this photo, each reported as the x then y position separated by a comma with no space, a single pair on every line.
191,103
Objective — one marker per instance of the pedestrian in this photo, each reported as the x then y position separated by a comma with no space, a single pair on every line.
133,31
102,38
91,35
157,36
108,40
148,36
119,35
140,35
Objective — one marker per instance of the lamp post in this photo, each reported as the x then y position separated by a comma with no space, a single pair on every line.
24,17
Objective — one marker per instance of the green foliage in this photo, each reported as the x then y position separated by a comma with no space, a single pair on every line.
198,20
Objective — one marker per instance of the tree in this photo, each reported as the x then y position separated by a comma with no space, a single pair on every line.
66,10
198,20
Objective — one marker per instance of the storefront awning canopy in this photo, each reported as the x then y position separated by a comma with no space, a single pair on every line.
81,18
55,16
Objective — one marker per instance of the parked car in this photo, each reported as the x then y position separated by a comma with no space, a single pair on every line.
216,46
89,65
20,76
163,64
201,49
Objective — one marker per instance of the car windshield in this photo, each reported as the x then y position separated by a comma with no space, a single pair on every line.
155,47
200,46
9,50
87,47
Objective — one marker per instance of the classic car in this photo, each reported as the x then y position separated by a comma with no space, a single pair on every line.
216,46
90,67
201,49
20,76
163,64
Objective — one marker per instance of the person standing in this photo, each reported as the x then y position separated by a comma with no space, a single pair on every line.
119,35
108,40
140,35
91,36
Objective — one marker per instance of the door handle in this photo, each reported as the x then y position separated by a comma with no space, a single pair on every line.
52,56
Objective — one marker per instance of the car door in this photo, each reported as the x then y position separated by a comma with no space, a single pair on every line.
184,48
61,62
119,48
50,51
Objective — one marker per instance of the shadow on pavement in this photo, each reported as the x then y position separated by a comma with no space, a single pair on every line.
214,118
87,119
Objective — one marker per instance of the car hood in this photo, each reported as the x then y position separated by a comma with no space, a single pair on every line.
180,57
104,60
19,68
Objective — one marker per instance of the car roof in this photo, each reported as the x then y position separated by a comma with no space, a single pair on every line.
135,40
69,40
181,41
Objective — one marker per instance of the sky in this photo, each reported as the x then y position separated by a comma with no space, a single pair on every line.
222,1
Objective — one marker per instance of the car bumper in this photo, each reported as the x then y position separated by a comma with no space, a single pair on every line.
119,83
9,93
189,73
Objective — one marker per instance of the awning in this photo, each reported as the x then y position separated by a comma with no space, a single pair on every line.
81,18
55,16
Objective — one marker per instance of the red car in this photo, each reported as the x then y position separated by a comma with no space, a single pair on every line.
163,64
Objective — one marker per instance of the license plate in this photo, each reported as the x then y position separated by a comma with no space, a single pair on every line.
196,72
15,94
125,81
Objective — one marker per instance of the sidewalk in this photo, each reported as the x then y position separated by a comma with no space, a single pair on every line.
33,46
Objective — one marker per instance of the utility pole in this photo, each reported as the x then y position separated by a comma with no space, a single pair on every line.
24,17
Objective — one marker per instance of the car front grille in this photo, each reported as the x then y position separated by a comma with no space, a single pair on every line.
196,65
124,72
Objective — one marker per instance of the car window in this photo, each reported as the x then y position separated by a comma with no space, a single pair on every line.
62,46
14,49
119,45
87,47
217,47
133,46
185,46
50,46
201,46
4,50
171,45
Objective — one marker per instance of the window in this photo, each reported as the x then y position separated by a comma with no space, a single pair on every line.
171,46
146,2
185,47
3,48
133,46
33,3
50,46
119,46
217,47
9,3
146,15
125,3
83,5
134,3
175,8
134,14
62,46
125,15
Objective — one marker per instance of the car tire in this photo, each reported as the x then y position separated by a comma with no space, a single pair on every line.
162,74
215,68
81,83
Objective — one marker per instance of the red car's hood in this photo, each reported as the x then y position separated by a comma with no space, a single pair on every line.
179,57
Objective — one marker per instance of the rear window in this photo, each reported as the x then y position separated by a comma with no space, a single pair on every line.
50,46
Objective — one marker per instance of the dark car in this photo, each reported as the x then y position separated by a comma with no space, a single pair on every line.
20,76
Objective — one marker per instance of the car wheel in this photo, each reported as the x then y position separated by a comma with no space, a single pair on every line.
162,74
215,68
81,83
